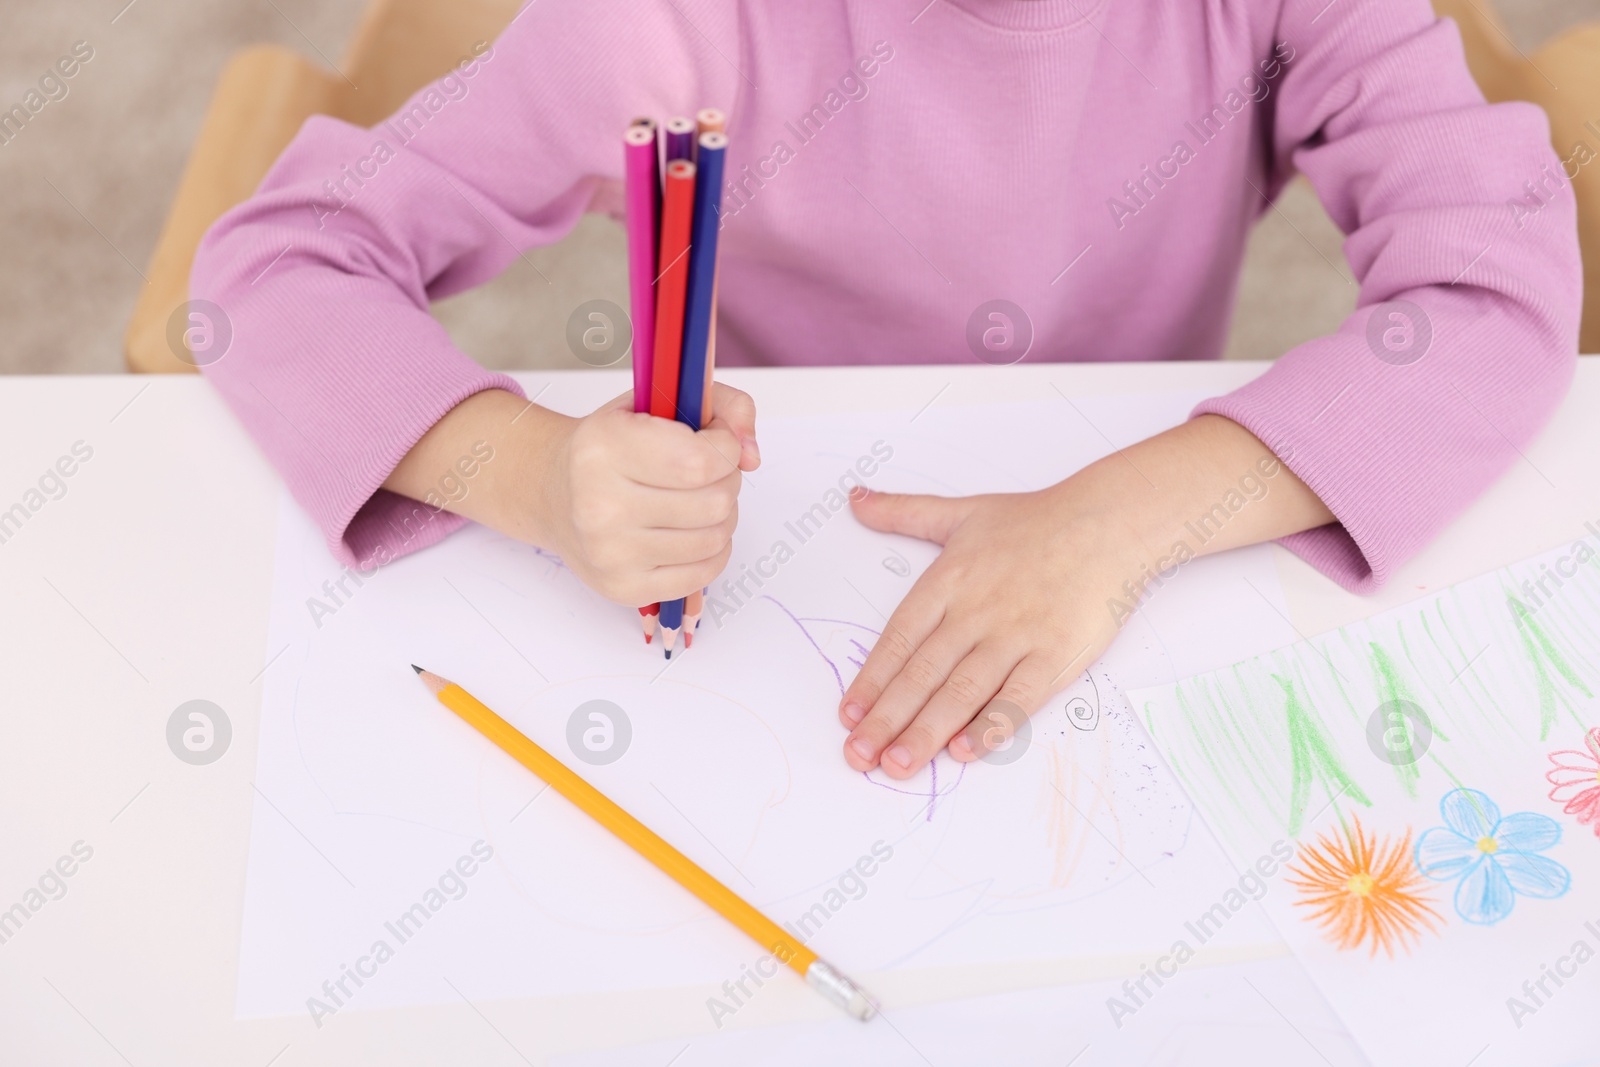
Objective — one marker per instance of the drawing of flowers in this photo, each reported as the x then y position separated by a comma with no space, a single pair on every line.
1576,779
1363,891
1493,859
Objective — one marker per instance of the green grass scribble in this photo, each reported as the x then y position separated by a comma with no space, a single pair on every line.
1544,656
1312,758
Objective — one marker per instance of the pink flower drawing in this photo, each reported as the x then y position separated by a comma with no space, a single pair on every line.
1576,781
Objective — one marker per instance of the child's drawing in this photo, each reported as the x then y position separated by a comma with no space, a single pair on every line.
1549,664
1084,712
1314,760
1362,891
1276,736
1492,859
843,647
1093,794
1462,730
1576,781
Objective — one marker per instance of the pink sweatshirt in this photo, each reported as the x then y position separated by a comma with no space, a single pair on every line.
895,165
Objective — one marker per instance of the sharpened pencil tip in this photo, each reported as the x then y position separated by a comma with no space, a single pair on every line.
668,651
416,668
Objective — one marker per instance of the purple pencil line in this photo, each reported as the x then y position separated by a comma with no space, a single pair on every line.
933,769
837,677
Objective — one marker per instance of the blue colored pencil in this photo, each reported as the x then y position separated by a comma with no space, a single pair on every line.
677,143
698,303
698,309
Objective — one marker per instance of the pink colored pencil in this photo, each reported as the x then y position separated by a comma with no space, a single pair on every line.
642,188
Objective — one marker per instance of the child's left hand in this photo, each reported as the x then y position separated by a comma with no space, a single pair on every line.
1012,608
1021,597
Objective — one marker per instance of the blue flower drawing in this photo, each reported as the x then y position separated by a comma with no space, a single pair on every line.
1493,859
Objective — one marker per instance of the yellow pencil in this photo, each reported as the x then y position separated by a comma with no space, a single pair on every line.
817,972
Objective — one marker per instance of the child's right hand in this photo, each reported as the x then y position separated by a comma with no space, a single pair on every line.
643,509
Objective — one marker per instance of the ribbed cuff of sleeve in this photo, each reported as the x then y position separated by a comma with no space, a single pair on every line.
1285,408
367,525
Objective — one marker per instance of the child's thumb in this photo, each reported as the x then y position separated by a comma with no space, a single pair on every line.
931,518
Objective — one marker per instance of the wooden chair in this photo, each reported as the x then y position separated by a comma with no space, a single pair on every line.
267,92
1570,60
264,96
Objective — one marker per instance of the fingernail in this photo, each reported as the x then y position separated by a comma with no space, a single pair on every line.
900,756
854,713
749,445
862,748
961,748
859,493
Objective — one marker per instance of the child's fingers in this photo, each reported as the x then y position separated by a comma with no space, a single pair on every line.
918,615
729,447
906,694
669,455
748,455
735,407
969,687
734,410
930,518
679,580
671,547
1023,693
687,509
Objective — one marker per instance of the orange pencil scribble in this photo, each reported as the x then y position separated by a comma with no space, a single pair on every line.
1063,824
1362,891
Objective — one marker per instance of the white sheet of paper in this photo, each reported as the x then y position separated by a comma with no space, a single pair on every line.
1461,731
370,793
1262,1012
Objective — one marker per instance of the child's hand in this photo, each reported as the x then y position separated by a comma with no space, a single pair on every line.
1021,598
643,509
1013,607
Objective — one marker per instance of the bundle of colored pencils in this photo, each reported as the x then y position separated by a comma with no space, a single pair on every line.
672,280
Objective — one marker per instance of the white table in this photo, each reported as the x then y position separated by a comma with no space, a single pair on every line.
146,585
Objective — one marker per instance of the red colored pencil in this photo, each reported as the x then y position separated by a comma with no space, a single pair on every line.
677,215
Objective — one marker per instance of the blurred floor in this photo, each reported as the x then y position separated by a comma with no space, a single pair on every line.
84,190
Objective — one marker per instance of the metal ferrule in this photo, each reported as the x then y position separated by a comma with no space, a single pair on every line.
825,979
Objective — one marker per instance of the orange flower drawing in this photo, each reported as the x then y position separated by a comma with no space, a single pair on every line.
1363,892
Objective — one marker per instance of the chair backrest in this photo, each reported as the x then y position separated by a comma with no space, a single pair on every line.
1570,60
402,45
264,96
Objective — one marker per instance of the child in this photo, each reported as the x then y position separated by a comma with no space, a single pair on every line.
894,167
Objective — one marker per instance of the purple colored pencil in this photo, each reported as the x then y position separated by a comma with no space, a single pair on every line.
680,138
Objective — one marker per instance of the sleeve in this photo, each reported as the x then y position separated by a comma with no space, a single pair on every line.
1461,230
336,367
